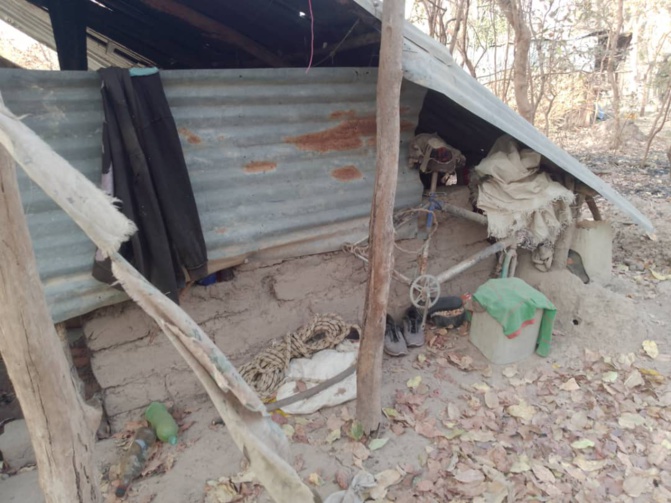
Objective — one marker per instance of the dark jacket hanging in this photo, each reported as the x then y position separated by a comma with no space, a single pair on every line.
144,167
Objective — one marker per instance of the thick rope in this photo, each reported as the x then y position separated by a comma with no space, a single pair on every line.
266,372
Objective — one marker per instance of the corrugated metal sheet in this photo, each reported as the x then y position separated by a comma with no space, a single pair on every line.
35,23
429,64
282,163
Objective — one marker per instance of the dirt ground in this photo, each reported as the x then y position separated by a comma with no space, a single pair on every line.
592,422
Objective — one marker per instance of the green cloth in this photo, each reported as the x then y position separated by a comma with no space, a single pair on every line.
512,303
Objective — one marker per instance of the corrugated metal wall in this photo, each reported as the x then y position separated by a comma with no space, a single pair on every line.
282,163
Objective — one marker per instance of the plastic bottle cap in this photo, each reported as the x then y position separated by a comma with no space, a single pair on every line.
172,440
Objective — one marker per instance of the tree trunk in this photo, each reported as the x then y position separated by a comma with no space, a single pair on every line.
61,425
390,75
612,76
512,10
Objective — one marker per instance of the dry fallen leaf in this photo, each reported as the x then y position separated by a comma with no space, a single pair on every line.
491,400
384,480
520,466
359,451
634,379
660,277
424,486
658,454
510,371
650,348
414,382
428,429
342,478
629,420
482,387
333,436
542,473
390,413
609,376
570,385
315,479
582,444
453,411
589,465
464,362
377,443
288,430
468,476
522,411
635,486
652,375
221,491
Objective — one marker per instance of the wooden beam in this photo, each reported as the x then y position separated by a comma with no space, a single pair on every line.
62,427
390,75
350,43
216,30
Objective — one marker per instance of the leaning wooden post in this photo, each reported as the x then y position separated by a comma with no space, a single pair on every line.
390,75
61,426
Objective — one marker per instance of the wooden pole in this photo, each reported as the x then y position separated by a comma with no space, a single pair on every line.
62,427
390,75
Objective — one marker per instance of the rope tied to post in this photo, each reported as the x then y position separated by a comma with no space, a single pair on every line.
266,372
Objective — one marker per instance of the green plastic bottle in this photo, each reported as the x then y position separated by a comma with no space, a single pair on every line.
163,423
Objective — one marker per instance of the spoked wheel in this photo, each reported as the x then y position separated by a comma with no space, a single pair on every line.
424,291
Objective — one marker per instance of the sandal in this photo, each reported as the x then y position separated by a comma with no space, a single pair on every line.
413,331
394,343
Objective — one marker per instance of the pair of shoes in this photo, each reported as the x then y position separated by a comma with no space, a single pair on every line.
410,334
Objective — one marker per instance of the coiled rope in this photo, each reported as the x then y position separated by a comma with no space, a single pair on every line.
266,372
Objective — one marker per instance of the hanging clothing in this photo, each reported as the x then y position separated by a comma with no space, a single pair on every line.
143,166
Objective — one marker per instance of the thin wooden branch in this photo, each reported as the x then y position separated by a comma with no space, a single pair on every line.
348,44
658,125
593,208
390,75
217,30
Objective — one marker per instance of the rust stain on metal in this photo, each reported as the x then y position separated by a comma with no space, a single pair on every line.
351,133
192,138
221,230
343,114
347,173
260,166
348,135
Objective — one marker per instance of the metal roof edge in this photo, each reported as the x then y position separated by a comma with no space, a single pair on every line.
427,63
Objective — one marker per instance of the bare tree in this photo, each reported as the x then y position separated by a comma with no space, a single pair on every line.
613,38
512,10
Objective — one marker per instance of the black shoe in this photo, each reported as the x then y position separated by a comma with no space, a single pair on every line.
394,343
413,331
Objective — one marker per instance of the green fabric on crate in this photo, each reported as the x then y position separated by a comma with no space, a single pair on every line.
512,303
